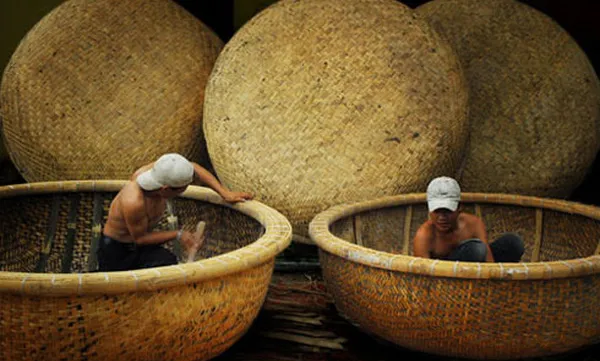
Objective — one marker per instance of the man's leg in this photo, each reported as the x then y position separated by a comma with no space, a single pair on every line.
470,250
509,247
155,256
115,256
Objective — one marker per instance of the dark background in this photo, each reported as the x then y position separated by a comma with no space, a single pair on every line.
578,17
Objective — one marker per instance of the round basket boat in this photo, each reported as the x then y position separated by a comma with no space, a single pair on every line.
548,304
55,308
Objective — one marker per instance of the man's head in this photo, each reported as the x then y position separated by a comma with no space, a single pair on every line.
443,197
171,172
443,192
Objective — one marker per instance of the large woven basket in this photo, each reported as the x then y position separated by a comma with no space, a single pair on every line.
317,102
546,305
534,101
53,309
98,88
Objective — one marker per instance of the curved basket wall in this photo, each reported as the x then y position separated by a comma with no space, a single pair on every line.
534,97
545,305
317,102
99,88
191,311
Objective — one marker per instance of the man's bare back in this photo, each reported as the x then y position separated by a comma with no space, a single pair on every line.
133,195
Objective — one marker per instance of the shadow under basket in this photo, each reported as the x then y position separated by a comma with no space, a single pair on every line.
547,304
54,307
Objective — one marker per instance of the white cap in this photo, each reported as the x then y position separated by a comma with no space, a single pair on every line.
171,170
443,192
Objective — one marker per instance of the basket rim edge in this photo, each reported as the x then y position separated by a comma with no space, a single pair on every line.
277,236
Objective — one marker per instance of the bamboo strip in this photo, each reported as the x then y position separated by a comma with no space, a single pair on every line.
357,230
47,246
71,230
539,227
478,211
97,215
407,223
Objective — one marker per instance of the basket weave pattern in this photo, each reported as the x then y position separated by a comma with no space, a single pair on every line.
534,99
191,322
191,311
543,306
98,88
359,99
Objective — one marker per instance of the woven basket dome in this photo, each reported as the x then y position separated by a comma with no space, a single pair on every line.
534,97
318,102
98,88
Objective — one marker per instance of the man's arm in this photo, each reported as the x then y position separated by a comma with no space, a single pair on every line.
480,232
207,178
421,246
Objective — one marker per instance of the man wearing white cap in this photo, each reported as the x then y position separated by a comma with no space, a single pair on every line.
453,235
127,240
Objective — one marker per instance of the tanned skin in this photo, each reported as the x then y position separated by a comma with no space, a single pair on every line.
134,212
443,232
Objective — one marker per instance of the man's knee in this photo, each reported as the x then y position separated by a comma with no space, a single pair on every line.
471,250
157,257
509,247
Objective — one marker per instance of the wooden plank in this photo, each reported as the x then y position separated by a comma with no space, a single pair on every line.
97,216
71,230
50,233
308,320
335,344
407,224
311,333
539,227
357,230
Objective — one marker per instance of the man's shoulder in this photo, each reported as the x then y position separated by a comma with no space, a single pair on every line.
470,219
425,229
131,196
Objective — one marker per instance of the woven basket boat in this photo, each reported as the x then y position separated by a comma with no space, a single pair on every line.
53,308
548,304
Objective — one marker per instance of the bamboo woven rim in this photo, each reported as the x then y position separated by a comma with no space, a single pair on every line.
325,240
277,236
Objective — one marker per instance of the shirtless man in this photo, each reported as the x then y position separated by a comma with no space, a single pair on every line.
128,241
453,235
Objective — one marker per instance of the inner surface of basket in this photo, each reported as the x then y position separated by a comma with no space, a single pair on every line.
57,233
548,235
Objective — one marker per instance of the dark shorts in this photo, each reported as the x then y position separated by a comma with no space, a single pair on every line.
509,247
119,256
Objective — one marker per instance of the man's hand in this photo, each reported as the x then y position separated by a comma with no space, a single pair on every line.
198,241
234,197
187,240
